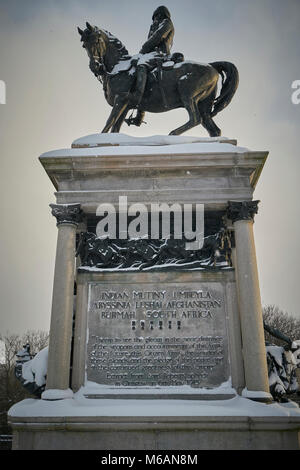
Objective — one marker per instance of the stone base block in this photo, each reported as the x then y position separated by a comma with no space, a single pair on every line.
156,433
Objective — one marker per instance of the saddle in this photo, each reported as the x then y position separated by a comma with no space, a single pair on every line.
175,58
167,64
155,66
161,61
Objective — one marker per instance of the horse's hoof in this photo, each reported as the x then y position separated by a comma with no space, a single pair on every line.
217,133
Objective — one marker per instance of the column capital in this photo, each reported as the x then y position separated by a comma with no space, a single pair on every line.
66,213
244,210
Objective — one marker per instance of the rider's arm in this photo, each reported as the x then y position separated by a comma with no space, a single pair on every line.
162,31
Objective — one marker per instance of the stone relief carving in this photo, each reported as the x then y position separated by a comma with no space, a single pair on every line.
145,254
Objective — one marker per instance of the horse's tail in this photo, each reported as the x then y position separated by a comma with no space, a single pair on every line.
230,81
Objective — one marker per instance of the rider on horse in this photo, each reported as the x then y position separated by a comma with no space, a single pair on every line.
160,41
169,85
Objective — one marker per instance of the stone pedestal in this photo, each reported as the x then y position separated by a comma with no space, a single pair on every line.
156,432
195,395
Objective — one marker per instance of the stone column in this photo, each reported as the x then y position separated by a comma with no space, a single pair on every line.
254,353
58,373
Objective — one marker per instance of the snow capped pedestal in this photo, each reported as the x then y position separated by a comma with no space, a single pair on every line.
100,168
122,144
79,405
93,424
103,140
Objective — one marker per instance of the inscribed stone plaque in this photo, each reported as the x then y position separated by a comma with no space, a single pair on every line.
143,334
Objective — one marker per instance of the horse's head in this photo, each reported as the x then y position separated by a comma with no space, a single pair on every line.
94,41
103,48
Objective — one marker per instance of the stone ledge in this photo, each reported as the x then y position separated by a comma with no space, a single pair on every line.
157,422
227,275
141,396
71,168
156,432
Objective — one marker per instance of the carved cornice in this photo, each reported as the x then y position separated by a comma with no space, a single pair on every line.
66,213
244,210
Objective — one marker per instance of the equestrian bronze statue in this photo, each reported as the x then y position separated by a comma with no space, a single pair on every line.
155,80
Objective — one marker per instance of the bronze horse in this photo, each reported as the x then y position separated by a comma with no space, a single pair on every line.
186,84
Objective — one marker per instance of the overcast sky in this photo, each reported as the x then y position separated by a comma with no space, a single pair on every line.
53,98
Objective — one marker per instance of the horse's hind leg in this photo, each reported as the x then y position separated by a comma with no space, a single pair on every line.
205,108
194,115
211,126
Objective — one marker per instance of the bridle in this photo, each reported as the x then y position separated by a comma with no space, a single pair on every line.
96,51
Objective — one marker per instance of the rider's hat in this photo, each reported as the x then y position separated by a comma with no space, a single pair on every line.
162,10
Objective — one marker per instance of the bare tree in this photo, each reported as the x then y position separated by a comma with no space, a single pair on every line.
281,321
11,391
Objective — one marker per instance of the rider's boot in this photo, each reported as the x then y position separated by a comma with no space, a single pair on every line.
141,78
137,120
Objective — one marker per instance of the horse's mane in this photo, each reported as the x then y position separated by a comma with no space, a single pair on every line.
116,42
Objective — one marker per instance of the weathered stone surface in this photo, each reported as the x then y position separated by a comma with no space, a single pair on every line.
151,334
157,432
58,373
211,173
250,308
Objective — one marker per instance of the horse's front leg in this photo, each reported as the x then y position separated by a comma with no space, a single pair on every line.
120,104
117,126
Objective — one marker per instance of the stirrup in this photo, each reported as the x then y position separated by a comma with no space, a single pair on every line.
133,121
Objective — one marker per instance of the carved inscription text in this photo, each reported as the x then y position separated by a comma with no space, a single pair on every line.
174,335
